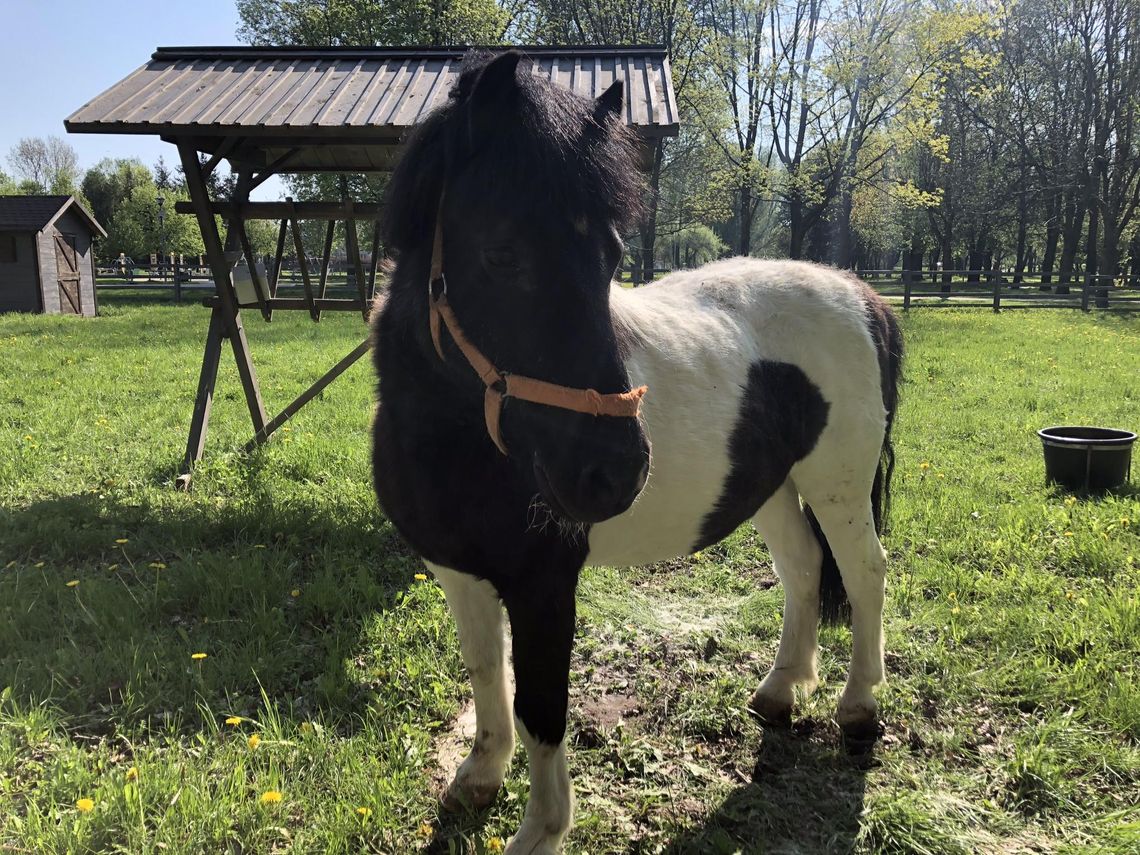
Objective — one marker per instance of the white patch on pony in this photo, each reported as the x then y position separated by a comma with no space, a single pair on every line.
550,808
479,622
701,330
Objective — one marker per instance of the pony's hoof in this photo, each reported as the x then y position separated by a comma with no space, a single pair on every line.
859,722
773,712
468,797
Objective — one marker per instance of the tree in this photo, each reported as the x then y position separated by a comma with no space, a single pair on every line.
50,164
371,22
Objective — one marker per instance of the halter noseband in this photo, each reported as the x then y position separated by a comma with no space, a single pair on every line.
501,384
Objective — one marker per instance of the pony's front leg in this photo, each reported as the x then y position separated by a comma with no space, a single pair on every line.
541,612
479,621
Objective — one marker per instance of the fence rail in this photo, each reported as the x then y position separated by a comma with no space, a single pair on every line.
998,290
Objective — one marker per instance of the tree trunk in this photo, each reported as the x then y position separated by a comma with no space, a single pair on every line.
744,220
796,230
1022,229
947,260
649,222
1052,237
1070,241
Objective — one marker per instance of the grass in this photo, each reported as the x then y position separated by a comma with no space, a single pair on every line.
1012,710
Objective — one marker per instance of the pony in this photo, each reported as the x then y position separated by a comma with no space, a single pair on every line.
772,386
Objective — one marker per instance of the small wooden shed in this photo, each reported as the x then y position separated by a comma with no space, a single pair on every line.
47,255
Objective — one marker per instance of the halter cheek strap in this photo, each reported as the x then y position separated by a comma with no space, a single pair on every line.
502,385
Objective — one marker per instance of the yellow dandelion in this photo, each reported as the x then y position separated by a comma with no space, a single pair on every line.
495,844
420,577
1124,521
85,805
1068,534
198,656
306,727
254,740
38,564
233,721
924,465
112,566
1082,601
133,773
939,475
425,830
296,592
157,565
259,546
364,811
1068,595
955,610
122,540
953,595
270,797
73,583
1070,500
9,565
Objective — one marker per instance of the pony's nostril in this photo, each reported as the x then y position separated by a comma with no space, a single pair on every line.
599,485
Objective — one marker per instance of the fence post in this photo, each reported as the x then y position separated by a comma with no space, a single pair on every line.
995,278
1085,293
906,290
177,282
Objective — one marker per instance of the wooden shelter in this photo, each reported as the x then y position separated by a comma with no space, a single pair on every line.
269,110
47,257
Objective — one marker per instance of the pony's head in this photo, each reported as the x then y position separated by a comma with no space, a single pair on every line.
532,187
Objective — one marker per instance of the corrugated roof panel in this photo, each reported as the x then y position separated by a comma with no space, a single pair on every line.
235,90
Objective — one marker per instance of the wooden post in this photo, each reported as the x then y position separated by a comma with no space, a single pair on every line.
204,399
1085,293
223,282
303,264
323,284
278,258
906,290
995,279
352,246
375,261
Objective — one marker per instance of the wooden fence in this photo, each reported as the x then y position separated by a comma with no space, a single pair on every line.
997,290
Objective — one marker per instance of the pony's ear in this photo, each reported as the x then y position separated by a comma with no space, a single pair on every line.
498,81
610,102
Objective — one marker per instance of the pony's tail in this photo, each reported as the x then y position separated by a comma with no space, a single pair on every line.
834,606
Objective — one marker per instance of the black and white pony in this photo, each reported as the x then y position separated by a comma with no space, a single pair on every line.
769,382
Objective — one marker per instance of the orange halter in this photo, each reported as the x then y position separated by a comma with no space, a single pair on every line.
502,385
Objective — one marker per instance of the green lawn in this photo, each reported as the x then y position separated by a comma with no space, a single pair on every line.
1012,711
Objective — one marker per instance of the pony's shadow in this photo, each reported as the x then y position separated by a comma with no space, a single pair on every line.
805,795
226,590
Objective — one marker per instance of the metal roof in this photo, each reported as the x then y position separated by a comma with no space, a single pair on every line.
340,107
35,213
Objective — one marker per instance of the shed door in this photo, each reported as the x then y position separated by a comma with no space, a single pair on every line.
67,264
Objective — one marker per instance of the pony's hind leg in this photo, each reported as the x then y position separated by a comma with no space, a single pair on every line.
479,621
796,555
849,526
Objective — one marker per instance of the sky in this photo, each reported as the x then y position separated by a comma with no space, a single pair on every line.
57,56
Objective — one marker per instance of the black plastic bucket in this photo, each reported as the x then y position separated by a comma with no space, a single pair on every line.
1087,458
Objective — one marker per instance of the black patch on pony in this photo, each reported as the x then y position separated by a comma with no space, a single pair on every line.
781,417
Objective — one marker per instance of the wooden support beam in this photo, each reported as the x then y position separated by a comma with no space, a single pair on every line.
223,282
300,304
319,386
303,265
227,145
251,263
375,262
276,275
204,399
352,247
273,168
326,257
282,210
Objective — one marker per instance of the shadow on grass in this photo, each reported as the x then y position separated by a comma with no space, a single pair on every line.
103,602
806,795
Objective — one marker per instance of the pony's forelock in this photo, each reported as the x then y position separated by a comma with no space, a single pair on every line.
548,138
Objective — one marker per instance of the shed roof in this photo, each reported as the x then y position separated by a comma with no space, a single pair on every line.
341,108
36,213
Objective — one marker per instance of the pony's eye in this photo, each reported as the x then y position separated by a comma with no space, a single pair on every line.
501,259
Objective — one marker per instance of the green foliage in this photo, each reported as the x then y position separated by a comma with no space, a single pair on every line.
370,22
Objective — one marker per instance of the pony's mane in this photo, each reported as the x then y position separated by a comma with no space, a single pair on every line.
544,152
